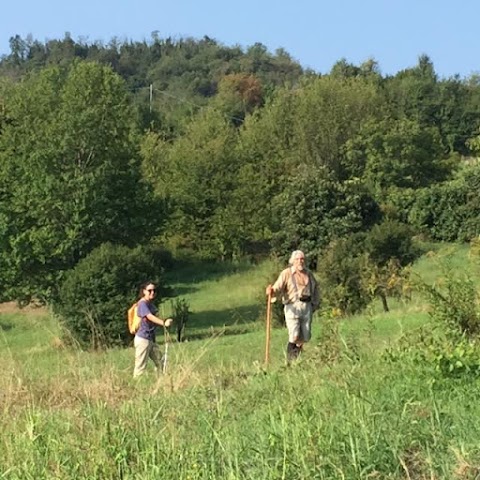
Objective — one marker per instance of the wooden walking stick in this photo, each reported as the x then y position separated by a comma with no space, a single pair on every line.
267,341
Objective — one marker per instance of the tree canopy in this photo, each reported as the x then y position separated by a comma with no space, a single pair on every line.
224,151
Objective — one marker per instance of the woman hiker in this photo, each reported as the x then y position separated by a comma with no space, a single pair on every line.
144,342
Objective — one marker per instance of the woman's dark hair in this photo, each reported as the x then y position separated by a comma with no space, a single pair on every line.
143,286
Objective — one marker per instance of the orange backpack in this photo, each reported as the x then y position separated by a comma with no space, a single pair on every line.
133,319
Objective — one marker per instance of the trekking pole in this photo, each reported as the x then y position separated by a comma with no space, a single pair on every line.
267,340
165,356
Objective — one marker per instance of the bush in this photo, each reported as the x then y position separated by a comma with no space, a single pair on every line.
455,305
95,295
450,211
354,269
449,356
340,275
314,209
181,313
451,344
391,240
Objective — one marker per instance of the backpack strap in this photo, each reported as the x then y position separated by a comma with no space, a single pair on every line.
310,284
294,282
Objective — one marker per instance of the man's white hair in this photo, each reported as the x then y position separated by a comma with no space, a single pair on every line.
294,254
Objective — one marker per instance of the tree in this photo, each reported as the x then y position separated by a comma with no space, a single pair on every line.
473,144
238,95
449,211
314,209
328,112
340,268
301,128
385,281
196,176
357,267
343,69
413,93
69,176
398,153
389,249
458,115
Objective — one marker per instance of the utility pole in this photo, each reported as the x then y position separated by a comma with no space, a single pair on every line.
151,97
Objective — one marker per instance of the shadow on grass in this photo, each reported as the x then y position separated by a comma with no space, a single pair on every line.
6,326
196,271
180,290
232,321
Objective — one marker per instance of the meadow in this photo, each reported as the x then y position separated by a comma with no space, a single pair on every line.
349,408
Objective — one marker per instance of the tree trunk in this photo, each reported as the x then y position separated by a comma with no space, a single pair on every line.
384,302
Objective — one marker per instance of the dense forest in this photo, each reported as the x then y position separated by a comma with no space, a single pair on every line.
188,145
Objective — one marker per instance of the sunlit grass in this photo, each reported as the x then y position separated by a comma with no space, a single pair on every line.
220,413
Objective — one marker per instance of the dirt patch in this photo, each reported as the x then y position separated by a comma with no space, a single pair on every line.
12,307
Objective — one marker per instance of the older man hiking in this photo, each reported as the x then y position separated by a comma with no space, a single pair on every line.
300,295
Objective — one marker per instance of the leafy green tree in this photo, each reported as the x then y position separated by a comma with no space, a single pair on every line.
450,105
305,127
389,249
313,209
391,239
458,116
413,93
263,160
69,176
398,153
195,175
473,144
344,69
386,281
449,211
340,270
327,113
355,268
276,69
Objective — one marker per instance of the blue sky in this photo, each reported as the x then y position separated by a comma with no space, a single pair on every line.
317,33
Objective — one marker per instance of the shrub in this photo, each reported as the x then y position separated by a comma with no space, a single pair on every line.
455,359
314,209
455,305
450,211
391,240
446,211
96,294
355,269
340,275
181,313
451,343
389,248
449,356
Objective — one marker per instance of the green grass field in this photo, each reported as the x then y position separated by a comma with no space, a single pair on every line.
343,411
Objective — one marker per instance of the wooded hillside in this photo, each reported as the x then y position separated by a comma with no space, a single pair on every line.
191,145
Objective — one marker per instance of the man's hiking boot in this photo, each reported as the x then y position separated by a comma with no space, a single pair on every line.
293,351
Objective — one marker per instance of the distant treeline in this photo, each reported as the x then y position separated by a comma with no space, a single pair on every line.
221,151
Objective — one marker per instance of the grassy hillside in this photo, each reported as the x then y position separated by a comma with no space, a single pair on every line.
345,410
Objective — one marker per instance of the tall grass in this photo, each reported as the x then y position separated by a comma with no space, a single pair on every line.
343,411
